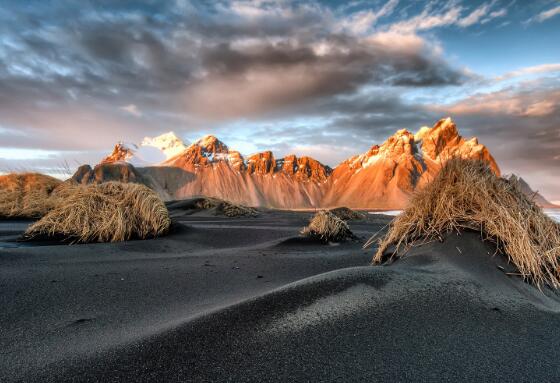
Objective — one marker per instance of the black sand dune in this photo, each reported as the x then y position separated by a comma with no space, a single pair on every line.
216,301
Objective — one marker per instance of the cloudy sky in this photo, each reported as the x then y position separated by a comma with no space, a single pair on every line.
322,78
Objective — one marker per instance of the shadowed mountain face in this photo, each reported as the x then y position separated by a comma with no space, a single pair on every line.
383,177
535,195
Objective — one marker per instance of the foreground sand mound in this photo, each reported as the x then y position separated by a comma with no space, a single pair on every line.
26,195
108,212
347,214
328,228
468,195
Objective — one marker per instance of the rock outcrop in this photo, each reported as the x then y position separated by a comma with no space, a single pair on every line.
106,171
442,142
534,195
121,153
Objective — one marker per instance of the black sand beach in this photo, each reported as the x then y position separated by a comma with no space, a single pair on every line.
246,300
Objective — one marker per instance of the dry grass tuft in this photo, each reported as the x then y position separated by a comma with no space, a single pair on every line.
226,208
328,228
108,212
347,214
26,195
466,194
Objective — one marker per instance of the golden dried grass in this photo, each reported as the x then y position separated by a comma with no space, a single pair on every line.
226,208
108,212
467,194
26,195
328,228
347,214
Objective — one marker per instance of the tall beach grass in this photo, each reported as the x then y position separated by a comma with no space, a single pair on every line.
467,194
107,212
327,227
27,195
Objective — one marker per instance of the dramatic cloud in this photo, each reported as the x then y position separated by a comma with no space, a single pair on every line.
327,77
527,103
259,77
233,60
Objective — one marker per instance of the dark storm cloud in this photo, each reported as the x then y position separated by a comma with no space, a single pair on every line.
211,61
258,77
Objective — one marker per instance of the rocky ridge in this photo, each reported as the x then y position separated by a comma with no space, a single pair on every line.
383,177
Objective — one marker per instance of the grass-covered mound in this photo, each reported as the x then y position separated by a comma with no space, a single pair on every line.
467,194
347,214
226,208
26,195
108,212
213,206
328,228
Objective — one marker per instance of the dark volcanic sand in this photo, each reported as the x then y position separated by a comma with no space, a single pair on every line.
238,300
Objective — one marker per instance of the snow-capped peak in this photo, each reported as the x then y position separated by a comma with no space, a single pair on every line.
421,133
168,143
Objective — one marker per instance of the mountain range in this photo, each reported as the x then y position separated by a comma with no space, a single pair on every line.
384,177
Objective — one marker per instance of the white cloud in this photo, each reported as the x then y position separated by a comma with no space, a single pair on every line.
475,16
362,22
500,13
132,109
26,154
427,20
522,102
537,69
448,16
545,15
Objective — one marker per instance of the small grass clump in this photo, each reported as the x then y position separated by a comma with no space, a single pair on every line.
27,195
224,207
328,228
107,212
347,214
467,194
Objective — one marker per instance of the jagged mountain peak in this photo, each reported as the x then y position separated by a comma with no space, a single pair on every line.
400,143
261,163
211,144
443,141
382,177
434,144
304,168
442,135
444,128
121,152
206,151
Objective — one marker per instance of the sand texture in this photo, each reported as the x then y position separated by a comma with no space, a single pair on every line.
246,300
